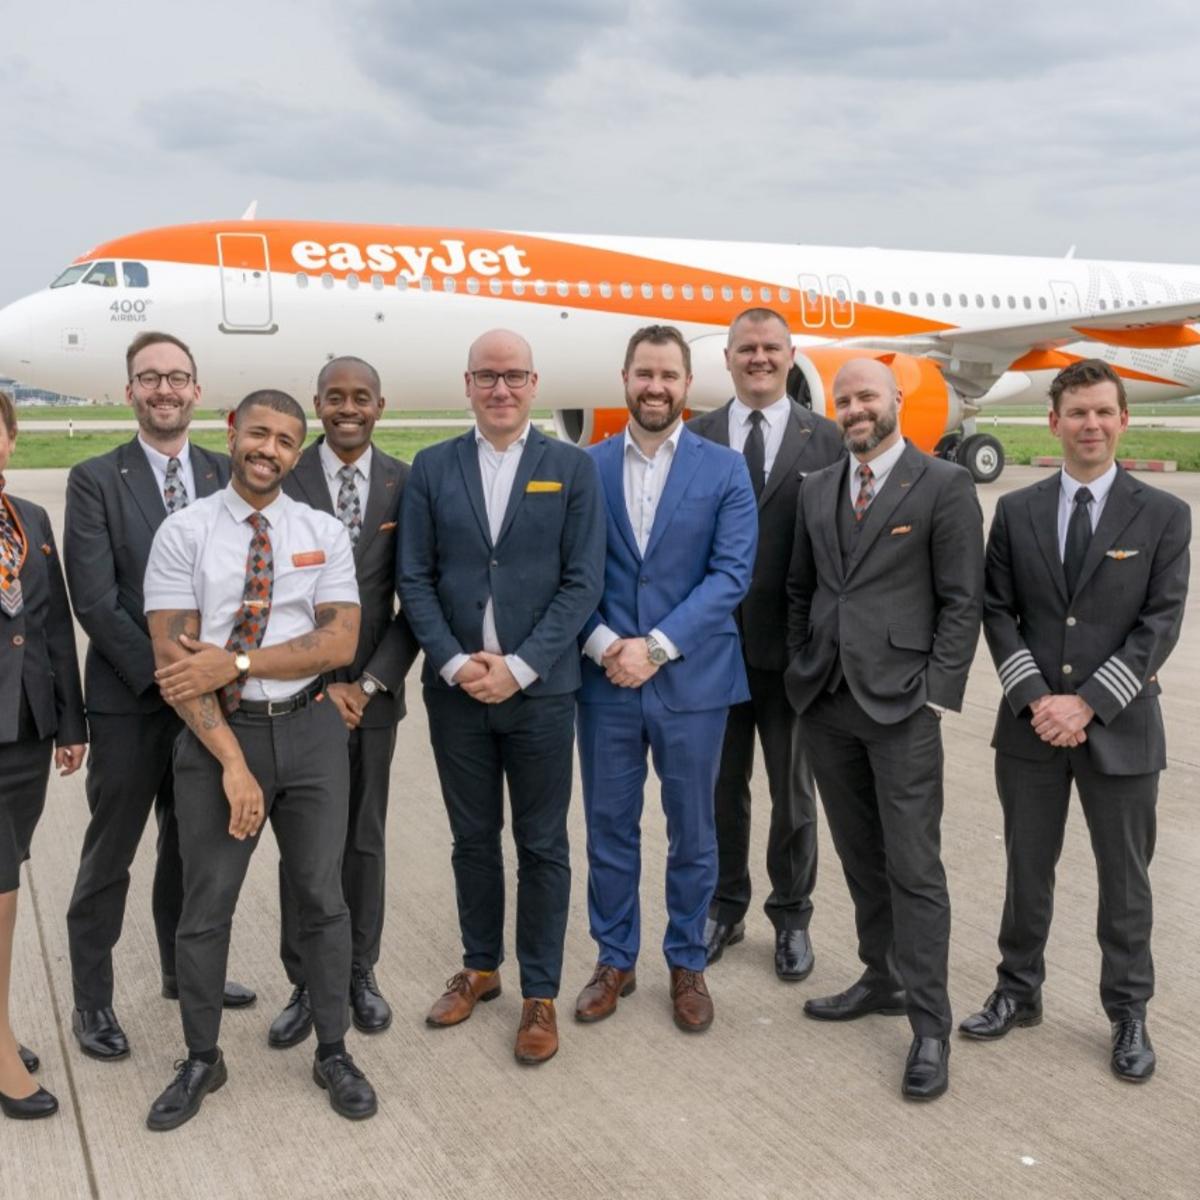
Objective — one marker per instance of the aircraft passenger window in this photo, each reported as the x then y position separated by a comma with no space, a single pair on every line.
912,298
946,300
1012,302
327,280
401,283
929,299
1103,304
878,297
726,292
539,286
648,291
962,300
895,297
585,289
765,295
860,296
606,290
978,300
426,284
627,290
668,292
135,275
352,281
103,274
495,287
449,284
518,286
1042,302
301,280
706,292
473,285
785,296
689,292
747,294
377,282
562,287
71,275
841,296
1026,302
995,301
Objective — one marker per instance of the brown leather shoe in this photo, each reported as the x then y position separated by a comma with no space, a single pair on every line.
457,1003
693,1004
599,998
537,1037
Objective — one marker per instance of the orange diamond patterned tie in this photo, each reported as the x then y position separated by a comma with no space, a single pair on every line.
251,621
866,491
12,547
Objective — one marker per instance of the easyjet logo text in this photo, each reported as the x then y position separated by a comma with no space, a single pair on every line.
449,257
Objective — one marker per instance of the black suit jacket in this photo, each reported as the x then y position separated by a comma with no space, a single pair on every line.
386,645
114,507
1107,642
810,442
904,614
37,646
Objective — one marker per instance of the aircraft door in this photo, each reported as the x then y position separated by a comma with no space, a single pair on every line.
1066,298
245,283
841,302
812,301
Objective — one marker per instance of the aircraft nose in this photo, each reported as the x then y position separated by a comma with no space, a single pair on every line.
16,341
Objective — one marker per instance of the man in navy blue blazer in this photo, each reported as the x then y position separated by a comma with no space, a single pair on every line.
501,562
662,664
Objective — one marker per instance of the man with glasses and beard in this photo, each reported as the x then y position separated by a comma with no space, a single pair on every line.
885,599
662,664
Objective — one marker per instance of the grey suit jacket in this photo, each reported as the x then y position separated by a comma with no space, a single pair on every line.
386,645
114,507
904,614
810,442
1107,642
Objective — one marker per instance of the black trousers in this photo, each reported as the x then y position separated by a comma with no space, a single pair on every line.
881,786
364,862
301,764
1121,819
792,839
128,774
527,741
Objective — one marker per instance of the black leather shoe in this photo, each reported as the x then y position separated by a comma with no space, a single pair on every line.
350,1095
99,1034
999,1014
793,954
719,934
1132,1054
236,995
294,1024
31,1060
856,1001
369,1010
182,1099
927,1071
31,1108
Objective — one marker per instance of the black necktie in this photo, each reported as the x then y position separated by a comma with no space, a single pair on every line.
755,451
1079,534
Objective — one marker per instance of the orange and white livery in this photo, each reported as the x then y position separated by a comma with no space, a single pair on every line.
265,303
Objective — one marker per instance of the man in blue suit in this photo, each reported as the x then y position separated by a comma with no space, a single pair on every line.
501,562
662,664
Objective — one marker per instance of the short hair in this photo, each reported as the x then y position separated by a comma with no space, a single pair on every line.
760,314
8,414
1086,373
660,335
344,360
279,402
153,337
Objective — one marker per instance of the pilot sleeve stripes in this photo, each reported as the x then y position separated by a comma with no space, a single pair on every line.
1015,668
1119,680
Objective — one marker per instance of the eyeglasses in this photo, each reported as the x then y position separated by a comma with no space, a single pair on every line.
489,379
175,379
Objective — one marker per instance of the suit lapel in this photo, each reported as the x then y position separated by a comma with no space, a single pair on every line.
468,461
826,493
139,479
204,472
1043,515
795,438
385,472
535,447
310,478
688,455
903,476
1119,509
611,461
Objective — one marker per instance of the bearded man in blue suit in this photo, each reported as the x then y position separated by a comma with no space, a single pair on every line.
662,664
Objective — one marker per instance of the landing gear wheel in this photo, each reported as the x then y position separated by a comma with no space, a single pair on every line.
983,456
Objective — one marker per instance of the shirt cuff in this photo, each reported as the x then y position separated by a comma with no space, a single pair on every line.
666,643
522,672
936,709
453,667
598,641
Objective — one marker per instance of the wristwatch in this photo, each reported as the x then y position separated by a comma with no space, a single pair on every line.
655,652
241,660
370,686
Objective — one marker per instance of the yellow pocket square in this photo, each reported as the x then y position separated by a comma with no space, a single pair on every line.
544,485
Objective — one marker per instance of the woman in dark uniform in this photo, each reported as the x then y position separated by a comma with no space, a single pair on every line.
41,706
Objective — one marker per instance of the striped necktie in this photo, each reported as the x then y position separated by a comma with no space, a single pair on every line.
251,621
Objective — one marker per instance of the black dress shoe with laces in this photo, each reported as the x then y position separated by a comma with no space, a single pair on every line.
1000,1013
29,1108
31,1060
927,1071
856,1001
99,1034
793,954
294,1024
350,1095
1132,1054
719,934
182,1099
236,995
370,1012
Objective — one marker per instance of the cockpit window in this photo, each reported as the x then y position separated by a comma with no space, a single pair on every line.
135,274
71,275
103,274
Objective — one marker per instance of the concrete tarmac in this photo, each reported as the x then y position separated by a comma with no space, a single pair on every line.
766,1104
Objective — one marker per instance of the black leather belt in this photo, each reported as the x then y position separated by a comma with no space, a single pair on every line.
281,708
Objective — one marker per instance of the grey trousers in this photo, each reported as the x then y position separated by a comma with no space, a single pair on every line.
301,763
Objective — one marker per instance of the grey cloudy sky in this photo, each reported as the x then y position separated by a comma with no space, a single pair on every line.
1017,129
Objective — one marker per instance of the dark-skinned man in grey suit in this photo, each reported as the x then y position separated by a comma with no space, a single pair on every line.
1087,579
885,596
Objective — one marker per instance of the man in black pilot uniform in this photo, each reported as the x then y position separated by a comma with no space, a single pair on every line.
1087,577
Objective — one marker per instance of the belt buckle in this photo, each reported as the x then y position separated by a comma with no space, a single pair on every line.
272,711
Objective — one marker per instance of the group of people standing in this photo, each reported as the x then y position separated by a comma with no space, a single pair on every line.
664,596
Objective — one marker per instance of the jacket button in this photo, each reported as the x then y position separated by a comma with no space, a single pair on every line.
1070,620
18,640
1067,668
495,562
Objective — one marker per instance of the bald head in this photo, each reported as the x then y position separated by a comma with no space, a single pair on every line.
868,371
866,403
500,343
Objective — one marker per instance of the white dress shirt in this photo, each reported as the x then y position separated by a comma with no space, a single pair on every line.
881,467
158,464
198,561
498,471
331,465
644,480
775,419
1066,502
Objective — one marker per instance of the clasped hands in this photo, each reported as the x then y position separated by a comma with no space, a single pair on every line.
627,662
485,677
1061,720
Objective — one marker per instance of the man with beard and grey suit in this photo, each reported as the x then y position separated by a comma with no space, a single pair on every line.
115,504
782,442
885,598
345,474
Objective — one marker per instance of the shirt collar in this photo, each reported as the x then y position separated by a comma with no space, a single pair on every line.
159,460
672,442
331,464
773,412
240,510
481,439
881,464
1098,487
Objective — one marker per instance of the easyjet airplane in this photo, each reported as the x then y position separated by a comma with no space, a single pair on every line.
264,303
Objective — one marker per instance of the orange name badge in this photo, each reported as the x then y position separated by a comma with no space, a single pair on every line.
308,558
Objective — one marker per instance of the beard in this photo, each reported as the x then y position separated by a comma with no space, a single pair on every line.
656,421
882,427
